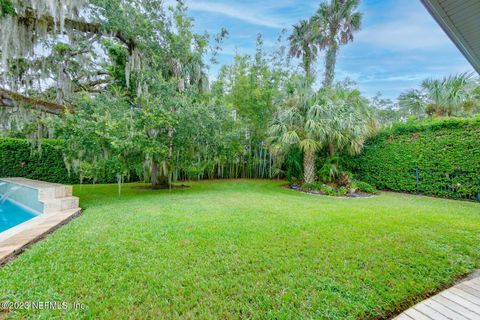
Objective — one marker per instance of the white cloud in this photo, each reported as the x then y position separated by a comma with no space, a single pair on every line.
243,14
397,78
412,30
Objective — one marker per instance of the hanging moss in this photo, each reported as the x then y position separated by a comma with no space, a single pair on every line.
23,23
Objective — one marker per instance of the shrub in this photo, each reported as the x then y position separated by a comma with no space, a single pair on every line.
294,165
312,186
364,187
19,159
342,191
436,157
329,170
329,191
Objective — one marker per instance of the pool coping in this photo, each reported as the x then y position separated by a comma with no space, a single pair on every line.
16,239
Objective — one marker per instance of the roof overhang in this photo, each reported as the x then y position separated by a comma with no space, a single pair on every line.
460,19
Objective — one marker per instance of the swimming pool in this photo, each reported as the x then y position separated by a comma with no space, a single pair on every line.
12,214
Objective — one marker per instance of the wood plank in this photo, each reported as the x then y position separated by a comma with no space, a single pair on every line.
466,288
403,316
472,285
430,312
465,295
417,315
465,303
449,308
476,281
456,308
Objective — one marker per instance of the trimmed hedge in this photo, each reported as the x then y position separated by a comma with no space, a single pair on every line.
19,159
439,157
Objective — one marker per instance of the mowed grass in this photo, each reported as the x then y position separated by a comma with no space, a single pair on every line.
245,249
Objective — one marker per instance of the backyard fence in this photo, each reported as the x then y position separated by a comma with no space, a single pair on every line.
457,184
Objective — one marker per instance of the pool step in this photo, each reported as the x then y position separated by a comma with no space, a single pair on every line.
56,191
60,204
49,197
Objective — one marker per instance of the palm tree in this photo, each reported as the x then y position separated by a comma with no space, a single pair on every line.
338,118
346,118
292,127
451,96
412,102
335,23
303,44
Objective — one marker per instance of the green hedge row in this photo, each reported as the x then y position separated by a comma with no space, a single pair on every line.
439,157
19,159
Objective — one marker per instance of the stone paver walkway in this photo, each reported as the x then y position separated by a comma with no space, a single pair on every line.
460,302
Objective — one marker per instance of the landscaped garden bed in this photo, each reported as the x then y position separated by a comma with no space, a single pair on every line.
355,189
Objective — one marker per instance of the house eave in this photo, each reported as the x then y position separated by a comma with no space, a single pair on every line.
453,31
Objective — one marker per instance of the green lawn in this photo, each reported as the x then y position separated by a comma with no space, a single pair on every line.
245,249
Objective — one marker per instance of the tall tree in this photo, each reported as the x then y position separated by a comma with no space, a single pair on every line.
303,43
141,56
334,25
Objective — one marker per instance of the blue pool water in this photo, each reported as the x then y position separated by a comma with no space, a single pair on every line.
12,214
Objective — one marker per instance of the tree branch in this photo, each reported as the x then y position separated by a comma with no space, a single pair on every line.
8,99
82,26
90,86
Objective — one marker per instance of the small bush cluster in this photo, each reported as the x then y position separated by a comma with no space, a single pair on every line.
364,187
341,191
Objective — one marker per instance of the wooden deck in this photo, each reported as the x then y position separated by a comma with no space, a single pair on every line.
460,302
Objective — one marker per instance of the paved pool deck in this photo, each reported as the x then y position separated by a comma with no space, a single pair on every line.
59,207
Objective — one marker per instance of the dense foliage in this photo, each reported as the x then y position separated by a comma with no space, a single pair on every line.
128,92
456,95
19,160
47,163
140,97
437,157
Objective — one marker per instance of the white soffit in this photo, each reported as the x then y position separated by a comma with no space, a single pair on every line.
460,19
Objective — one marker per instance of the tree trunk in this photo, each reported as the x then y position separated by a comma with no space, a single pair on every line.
154,175
331,149
158,181
307,64
330,61
309,167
